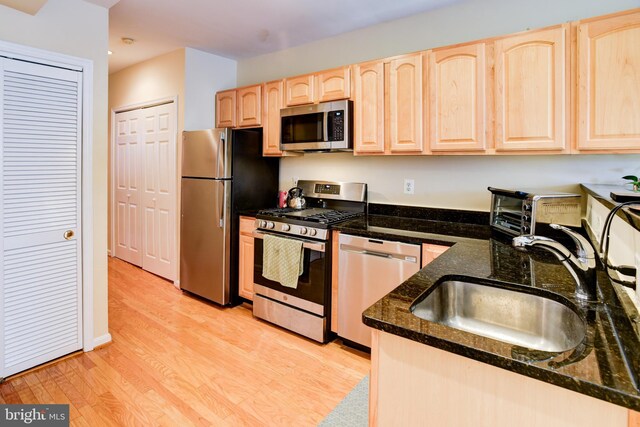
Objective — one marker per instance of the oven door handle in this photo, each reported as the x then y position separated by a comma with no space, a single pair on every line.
307,244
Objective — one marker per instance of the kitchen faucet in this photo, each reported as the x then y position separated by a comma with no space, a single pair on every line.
582,265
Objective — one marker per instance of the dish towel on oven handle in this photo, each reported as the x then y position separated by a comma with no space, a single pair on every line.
282,260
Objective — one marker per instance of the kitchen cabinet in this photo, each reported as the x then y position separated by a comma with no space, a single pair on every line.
333,84
245,257
416,384
404,112
431,252
273,95
249,101
299,90
634,419
369,108
458,98
608,101
226,109
532,91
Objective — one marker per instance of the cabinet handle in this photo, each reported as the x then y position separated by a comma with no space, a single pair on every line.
68,235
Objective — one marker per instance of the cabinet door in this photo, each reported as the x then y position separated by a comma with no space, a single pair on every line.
299,90
249,106
226,109
334,84
245,258
405,103
608,83
532,91
369,108
457,92
271,118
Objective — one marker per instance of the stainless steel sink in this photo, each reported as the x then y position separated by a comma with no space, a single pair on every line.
502,314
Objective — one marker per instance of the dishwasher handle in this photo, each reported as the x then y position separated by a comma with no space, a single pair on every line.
356,250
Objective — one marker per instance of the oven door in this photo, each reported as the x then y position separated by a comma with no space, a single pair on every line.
311,293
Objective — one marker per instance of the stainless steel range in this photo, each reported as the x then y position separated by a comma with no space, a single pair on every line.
305,309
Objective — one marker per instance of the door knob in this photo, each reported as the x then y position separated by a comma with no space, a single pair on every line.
68,235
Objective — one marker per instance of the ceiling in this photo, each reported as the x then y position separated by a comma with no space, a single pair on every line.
240,28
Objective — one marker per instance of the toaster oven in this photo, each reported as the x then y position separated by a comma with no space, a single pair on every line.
526,212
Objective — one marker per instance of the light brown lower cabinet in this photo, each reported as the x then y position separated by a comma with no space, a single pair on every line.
431,252
413,384
245,258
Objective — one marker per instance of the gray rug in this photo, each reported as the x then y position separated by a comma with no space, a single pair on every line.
353,411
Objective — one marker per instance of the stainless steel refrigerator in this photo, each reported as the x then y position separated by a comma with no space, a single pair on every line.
223,174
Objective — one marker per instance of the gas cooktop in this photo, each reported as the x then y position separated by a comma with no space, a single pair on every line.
313,215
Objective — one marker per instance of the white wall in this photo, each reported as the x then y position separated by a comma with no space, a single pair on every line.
77,28
441,181
205,74
458,182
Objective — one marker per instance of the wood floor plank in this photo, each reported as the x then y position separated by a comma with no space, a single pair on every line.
177,360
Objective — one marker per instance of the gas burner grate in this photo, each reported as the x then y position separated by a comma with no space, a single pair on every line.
332,216
276,211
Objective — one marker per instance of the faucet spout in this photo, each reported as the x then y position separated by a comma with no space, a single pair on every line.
581,265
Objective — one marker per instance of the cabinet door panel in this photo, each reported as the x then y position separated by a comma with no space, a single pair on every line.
457,117
405,104
369,108
532,91
226,109
271,121
249,106
608,88
334,84
299,90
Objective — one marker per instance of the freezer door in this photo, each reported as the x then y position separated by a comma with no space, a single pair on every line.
204,153
205,238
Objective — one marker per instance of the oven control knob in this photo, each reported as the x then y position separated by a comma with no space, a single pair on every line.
286,227
525,229
527,207
262,223
270,225
312,232
303,230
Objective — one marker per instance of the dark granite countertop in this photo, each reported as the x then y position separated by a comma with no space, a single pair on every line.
604,365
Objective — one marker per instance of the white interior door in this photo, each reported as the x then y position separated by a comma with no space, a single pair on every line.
40,229
127,161
158,196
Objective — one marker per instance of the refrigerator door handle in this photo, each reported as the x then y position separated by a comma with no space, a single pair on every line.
222,202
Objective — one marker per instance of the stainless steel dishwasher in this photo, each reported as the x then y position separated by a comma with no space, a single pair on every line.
368,269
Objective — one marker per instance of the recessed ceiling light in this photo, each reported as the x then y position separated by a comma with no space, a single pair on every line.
127,40
109,52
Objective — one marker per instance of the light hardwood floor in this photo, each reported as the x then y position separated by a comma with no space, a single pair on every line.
178,361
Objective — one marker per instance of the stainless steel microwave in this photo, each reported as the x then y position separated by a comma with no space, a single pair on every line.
524,212
320,127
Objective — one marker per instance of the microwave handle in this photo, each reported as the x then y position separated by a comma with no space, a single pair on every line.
326,126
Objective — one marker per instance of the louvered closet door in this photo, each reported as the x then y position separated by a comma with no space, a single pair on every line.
40,264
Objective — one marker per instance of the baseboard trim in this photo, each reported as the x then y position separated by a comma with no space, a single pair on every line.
101,340
176,283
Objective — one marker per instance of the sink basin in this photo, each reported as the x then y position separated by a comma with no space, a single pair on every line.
506,315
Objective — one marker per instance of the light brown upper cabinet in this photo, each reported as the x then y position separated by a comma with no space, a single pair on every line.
299,90
226,109
609,83
368,105
273,94
405,91
532,91
249,101
334,84
458,98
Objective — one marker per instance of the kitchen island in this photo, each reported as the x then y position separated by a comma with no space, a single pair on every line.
425,373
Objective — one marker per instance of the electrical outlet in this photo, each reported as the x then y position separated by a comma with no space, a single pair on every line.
409,186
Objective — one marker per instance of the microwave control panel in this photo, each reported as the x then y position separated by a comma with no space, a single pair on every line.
335,125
